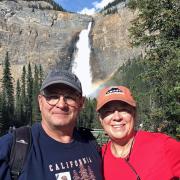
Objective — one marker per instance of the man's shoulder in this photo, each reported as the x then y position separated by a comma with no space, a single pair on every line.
87,136
6,138
85,133
5,145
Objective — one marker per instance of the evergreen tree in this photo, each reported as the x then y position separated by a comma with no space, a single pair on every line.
83,172
7,96
29,80
18,105
87,117
24,96
157,30
36,88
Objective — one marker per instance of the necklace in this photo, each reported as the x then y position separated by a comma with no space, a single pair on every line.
125,152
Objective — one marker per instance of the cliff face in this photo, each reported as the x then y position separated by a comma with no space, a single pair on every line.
38,36
111,43
48,37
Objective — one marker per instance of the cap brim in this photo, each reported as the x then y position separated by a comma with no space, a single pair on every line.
60,82
131,103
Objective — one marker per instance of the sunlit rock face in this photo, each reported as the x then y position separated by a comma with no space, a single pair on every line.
49,37
111,45
38,36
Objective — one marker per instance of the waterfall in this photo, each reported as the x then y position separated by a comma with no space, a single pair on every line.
81,65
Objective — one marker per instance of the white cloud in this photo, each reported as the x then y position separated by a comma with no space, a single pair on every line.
87,11
101,4
97,5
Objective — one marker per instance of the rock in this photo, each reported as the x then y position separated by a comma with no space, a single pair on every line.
111,45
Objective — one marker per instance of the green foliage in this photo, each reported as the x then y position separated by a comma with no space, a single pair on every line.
24,109
157,30
7,96
88,117
29,95
23,96
18,104
36,88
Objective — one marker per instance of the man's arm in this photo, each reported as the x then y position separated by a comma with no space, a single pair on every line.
5,150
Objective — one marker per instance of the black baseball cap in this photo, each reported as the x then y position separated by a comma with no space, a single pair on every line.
59,76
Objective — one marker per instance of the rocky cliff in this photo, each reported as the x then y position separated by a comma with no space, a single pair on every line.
111,45
45,36
41,36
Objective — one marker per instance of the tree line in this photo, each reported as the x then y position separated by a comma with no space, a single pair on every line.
18,100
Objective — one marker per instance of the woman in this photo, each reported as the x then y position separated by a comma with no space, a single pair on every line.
132,154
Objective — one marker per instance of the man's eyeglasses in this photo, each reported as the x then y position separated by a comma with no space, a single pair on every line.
69,99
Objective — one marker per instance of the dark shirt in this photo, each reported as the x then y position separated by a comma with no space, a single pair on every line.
52,160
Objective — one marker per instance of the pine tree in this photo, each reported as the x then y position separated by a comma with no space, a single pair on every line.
88,117
91,174
83,172
75,175
7,96
18,105
29,80
36,88
24,96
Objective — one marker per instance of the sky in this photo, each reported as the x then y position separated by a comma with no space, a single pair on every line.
83,6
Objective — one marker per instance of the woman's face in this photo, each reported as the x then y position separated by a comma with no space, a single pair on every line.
118,120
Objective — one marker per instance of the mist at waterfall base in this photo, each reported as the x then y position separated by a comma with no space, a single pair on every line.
81,65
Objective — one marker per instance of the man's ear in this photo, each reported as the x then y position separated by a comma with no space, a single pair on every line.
40,101
82,102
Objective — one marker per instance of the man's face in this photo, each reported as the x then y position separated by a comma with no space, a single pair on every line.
59,106
118,120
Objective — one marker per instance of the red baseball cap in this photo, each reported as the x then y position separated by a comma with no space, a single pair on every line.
114,93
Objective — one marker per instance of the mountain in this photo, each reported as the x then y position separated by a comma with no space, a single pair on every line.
32,31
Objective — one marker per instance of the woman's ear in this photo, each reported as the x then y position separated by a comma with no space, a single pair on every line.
100,118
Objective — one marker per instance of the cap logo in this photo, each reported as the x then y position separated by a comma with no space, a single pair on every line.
114,90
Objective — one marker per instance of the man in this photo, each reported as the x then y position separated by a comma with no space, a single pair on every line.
132,154
58,150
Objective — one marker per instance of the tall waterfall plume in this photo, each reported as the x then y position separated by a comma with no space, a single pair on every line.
81,65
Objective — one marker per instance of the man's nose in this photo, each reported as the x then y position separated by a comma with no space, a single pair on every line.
61,103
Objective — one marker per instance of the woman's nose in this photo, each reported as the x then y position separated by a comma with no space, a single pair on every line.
117,115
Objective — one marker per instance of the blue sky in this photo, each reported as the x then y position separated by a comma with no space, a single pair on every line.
83,6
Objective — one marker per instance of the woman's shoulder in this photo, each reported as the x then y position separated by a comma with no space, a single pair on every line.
153,137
